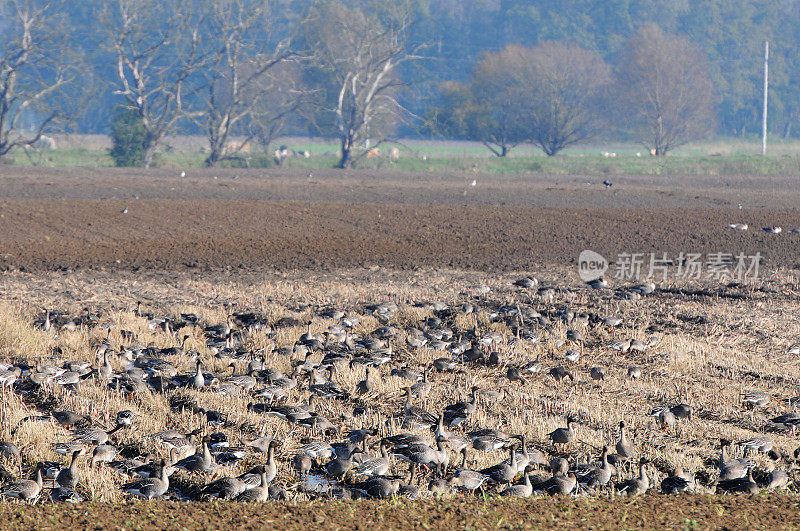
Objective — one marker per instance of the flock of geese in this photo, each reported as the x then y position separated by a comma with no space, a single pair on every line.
417,445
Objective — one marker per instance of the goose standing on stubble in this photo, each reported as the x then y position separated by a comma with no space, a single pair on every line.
24,489
257,494
198,462
152,487
636,486
562,436
624,446
69,477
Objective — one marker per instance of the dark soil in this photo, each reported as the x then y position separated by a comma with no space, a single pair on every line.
73,218
774,511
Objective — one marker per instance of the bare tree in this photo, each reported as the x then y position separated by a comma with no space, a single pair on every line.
156,46
277,101
35,70
488,108
665,93
562,87
357,56
241,59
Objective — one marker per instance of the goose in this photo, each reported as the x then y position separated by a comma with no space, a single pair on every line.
635,486
457,413
405,372
256,494
317,424
423,418
361,436
594,476
422,388
787,421
403,439
527,283
377,466
503,472
24,489
318,450
524,490
198,381
420,454
65,495
244,381
776,479
634,372
562,436
94,436
378,487
70,419
753,399
198,462
8,377
743,484
327,388
366,386
11,451
302,464
731,469
487,440
621,345
678,481
666,419
468,479
270,469
624,447
104,369
128,466
67,448
338,467
598,374
69,477
226,488
103,453
175,351
444,364
125,417
252,478
757,444
514,374
440,487
152,487
559,484
532,367
529,456
598,283
682,411
262,443
559,373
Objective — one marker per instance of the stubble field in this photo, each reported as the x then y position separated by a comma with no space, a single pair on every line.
287,246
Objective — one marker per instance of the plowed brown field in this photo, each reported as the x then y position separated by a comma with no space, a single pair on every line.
74,218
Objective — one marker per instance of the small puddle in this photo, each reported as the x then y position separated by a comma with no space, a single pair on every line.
315,483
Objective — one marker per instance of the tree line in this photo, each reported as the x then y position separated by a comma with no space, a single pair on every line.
365,71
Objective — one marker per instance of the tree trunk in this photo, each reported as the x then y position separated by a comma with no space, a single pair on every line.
213,157
149,153
345,161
